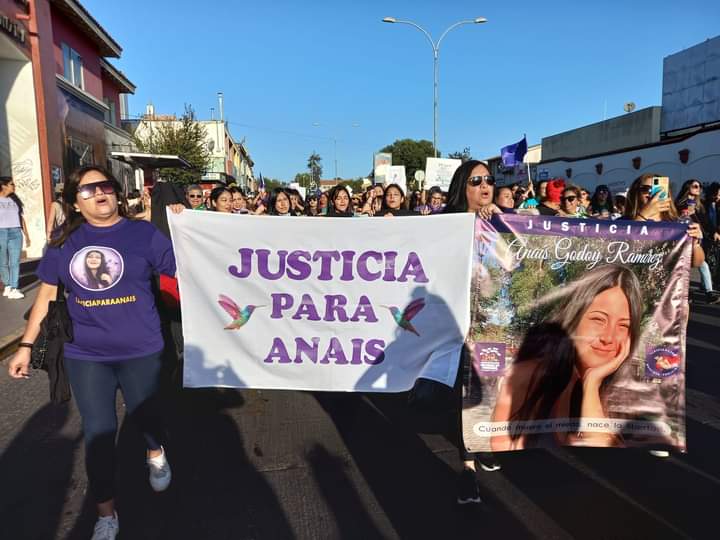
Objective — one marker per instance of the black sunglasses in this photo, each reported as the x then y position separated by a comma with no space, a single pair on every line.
645,189
694,185
477,180
194,196
87,191
571,198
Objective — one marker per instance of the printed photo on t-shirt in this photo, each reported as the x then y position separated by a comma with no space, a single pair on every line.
96,268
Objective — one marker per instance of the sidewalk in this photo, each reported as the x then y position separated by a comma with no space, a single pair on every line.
12,324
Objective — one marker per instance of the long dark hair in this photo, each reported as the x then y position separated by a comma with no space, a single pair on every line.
555,354
595,206
4,181
681,201
215,195
74,218
332,210
633,204
94,281
273,199
457,194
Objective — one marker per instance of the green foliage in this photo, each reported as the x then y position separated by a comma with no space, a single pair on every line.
410,153
186,139
314,165
464,155
272,183
305,179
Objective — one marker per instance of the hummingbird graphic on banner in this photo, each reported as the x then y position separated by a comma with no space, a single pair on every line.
408,314
240,316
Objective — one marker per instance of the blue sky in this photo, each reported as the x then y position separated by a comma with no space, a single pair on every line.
536,67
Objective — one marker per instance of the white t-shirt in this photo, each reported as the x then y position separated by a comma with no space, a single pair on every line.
9,216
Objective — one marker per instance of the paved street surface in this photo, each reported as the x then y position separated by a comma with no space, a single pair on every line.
274,465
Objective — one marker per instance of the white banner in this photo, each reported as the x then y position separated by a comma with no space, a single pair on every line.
439,172
346,304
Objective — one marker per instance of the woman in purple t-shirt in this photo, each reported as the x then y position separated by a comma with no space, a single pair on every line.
106,261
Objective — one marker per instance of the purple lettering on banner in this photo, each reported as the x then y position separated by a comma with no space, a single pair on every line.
326,258
303,347
364,309
301,268
280,302
347,272
334,352
362,268
263,256
278,352
245,264
335,304
390,257
306,309
413,267
620,229
357,351
375,351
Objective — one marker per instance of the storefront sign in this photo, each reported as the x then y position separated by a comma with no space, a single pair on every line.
13,28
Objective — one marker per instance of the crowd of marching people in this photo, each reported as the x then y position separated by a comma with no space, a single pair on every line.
124,350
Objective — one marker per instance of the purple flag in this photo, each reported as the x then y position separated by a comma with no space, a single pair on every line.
514,153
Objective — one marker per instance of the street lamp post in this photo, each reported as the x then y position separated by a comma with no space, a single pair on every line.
436,51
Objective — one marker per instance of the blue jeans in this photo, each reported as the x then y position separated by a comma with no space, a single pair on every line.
94,385
706,277
10,248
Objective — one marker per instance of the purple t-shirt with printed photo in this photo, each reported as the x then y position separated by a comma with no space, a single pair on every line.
107,272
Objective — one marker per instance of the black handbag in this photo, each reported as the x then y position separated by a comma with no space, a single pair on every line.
47,352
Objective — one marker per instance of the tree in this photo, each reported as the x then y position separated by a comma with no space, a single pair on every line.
184,138
464,155
272,183
315,168
304,179
410,153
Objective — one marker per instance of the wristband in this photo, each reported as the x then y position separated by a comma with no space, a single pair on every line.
25,344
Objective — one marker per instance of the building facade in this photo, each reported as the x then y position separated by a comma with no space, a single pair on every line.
230,161
62,100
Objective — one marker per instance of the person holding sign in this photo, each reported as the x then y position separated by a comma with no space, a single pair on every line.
471,190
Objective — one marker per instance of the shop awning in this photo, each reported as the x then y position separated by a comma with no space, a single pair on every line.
152,161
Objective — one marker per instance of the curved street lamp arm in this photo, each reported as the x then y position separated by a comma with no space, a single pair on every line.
427,35
445,33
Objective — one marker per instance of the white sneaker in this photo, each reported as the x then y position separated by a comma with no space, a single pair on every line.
6,290
106,528
160,474
15,294
659,453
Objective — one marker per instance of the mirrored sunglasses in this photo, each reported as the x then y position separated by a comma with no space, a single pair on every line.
87,191
477,180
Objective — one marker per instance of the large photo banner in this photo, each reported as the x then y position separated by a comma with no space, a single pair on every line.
337,304
577,334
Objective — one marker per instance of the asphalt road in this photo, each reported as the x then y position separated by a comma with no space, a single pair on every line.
274,465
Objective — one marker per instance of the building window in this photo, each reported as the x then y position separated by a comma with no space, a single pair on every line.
110,115
79,154
72,66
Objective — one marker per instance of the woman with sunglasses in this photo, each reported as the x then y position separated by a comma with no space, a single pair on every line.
601,203
642,206
12,230
689,203
471,190
117,338
194,196
311,206
570,203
